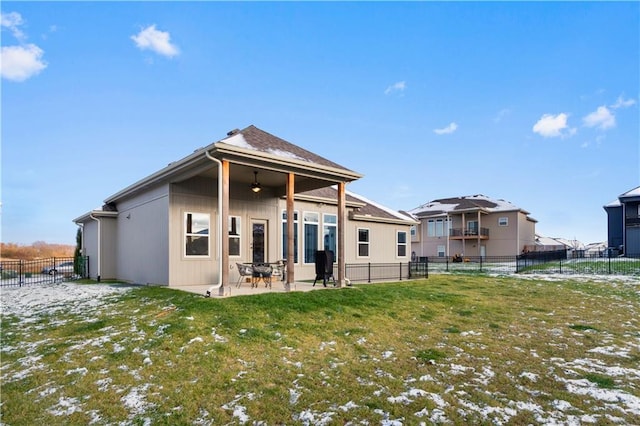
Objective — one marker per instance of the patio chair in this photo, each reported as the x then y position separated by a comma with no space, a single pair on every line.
244,271
262,272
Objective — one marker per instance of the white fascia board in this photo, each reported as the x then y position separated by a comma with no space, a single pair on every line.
95,213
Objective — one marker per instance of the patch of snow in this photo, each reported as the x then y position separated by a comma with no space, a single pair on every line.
239,141
65,407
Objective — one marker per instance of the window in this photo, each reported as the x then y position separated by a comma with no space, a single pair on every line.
503,221
363,242
196,233
311,226
441,252
234,236
295,236
401,244
330,233
472,227
413,231
431,228
437,227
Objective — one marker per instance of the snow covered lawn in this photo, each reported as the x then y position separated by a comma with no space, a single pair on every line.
447,350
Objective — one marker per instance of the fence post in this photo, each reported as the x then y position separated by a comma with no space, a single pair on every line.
609,263
560,265
20,273
447,262
369,272
400,271
480,263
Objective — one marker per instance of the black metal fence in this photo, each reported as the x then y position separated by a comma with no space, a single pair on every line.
368,272
42,271
538,263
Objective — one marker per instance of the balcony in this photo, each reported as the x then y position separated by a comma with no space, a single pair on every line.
469,233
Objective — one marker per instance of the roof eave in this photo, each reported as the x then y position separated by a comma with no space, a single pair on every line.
365,218
301,166
94,213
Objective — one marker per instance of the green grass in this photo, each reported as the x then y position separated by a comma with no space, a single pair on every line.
458,346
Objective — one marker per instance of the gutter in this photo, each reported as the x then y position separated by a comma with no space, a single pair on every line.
220,224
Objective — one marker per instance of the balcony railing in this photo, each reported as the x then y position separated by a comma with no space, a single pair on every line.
469,233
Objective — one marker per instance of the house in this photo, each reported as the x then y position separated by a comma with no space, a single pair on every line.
548,244
623,223
474,225
251,197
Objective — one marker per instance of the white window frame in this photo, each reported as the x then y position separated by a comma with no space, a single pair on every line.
363,243
312,219
441,250
190,234
236,236
438,227
399,244
503,221
327,224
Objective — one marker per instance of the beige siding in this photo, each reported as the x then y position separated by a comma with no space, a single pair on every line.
143,237
199,195
503,240
527,232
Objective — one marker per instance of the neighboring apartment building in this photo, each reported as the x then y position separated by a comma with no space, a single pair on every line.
248,198
623,223
473,225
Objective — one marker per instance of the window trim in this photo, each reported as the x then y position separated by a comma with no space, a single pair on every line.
367,243
186,234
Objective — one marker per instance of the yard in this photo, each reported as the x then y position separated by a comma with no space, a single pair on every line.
452,349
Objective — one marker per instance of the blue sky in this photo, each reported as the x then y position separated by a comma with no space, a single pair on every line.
534,103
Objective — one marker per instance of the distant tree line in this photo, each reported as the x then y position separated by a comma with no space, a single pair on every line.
37,250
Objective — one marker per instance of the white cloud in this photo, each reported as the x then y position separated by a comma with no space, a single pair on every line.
501,114
21,62
156,41
623,103
12,21
553,126
446,130
396,87
600,118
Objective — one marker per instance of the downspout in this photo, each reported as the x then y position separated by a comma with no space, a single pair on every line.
219,239
82,250
99,245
